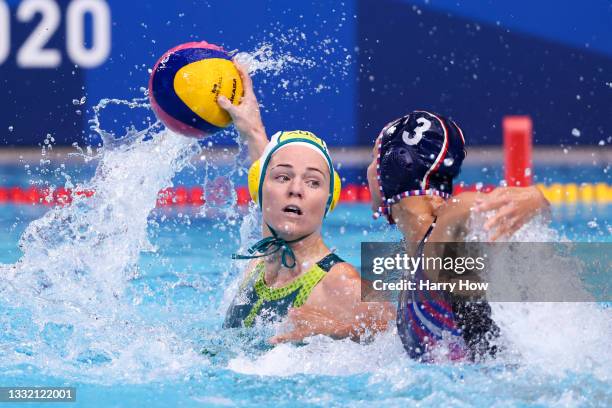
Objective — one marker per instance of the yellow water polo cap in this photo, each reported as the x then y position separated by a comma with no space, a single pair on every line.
280,140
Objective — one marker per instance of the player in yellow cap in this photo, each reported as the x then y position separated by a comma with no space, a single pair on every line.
294,182
293,271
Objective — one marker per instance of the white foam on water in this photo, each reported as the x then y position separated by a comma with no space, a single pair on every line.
547,339
324,356
78,259
554,337
557,338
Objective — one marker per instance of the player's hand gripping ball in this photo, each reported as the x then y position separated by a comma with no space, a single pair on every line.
185,84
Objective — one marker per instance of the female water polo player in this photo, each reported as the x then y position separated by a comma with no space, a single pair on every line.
294,182
416,158
333,307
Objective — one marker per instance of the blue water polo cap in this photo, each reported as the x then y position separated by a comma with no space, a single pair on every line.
418,154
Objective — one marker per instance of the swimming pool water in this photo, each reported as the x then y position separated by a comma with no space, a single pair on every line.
172,351
125,302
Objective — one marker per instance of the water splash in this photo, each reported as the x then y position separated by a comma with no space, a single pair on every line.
300,64
71,295
550,341
78,259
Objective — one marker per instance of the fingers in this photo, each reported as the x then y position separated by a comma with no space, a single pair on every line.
285,338
507,228
224,102
247,83
503,223
227,105
292,336
492,201
306,322
500,216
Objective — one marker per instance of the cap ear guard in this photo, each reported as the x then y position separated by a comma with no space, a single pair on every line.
336,192
254,175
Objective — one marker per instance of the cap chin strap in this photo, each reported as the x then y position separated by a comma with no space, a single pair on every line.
384,209
270,245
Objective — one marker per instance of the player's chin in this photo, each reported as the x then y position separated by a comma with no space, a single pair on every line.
291,229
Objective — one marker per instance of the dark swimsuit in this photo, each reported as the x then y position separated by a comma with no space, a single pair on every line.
255,299
428,317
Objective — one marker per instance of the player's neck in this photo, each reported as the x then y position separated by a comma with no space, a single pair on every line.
413,217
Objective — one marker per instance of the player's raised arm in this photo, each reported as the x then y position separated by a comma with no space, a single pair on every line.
246,116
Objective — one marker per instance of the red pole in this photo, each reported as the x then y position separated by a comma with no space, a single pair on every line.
517,150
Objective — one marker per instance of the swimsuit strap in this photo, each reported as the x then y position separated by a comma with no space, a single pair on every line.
426,236
329,260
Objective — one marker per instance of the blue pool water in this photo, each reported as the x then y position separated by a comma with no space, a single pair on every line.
125,303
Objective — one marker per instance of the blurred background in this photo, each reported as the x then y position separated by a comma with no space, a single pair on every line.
342,70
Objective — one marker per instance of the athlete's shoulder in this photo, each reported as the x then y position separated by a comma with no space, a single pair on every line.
338,285
342,277
343,270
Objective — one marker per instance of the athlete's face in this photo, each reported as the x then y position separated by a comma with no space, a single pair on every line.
373,180
295,191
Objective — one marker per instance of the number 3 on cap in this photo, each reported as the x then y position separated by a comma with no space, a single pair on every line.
418,132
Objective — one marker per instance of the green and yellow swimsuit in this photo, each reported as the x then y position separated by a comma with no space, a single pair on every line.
256,299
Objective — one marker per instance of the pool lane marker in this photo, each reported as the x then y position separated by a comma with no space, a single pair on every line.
557,193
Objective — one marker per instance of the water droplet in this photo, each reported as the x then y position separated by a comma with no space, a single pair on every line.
449,161
575,132
10,128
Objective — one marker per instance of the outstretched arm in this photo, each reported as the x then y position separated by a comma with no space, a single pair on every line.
246,116
335,309
515,206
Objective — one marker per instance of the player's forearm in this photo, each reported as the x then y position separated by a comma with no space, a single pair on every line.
256,140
